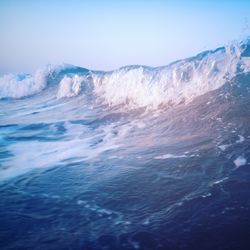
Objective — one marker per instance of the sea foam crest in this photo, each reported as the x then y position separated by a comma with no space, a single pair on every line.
22,85
70,86
140,86
175,83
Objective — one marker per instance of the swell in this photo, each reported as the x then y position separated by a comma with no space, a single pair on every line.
137,86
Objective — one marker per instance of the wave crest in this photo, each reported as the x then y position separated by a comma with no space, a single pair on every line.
22,85
69,86
139,85
175,83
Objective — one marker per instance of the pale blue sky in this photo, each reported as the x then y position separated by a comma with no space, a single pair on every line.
109,34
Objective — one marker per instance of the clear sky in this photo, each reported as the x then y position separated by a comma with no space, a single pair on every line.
109,34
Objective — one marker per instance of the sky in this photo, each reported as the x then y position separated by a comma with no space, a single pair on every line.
105,34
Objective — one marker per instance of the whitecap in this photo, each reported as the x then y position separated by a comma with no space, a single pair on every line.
241,139
168,156
240,161
223,147
69,86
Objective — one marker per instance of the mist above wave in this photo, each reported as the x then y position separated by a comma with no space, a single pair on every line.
138,86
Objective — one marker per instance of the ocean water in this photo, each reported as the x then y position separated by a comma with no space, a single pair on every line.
136,158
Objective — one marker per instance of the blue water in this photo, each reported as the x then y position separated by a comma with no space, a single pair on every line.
78,172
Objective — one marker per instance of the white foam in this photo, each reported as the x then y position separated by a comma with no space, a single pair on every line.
219,181
206,195
223,147
168,156
241,139
22,85
240,161
69,86
79,145
181,81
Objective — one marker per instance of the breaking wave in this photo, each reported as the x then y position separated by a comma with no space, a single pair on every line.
137,86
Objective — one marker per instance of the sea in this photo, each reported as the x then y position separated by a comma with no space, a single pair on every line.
136,158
